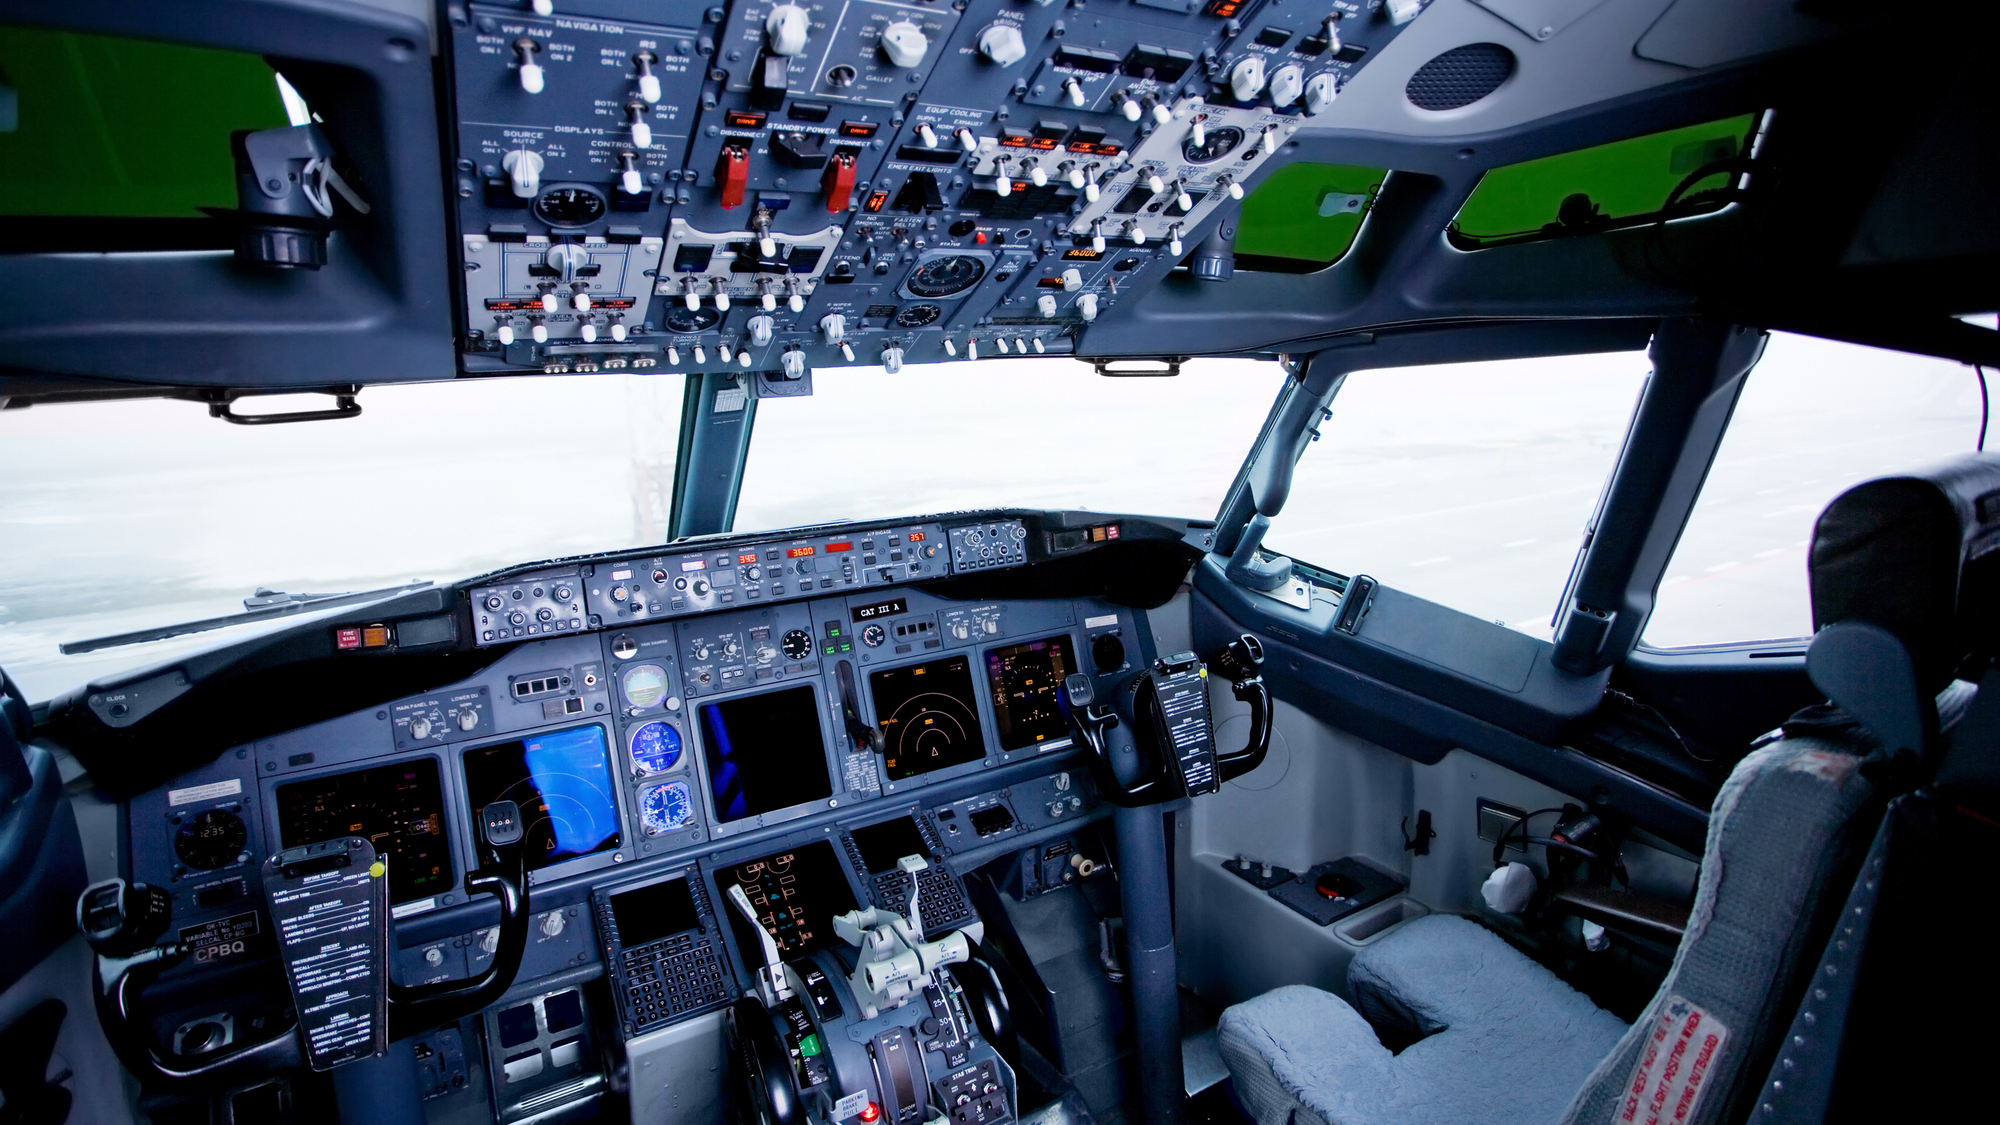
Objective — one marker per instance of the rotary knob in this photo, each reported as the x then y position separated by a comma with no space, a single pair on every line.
700,588
493,601
489,942
468,719
420,727
755,574
701,652
904,44
1246,78
545,614
960,631
990,625
729,648
788,27
564,593
552,923
433,956
1002,44
517,618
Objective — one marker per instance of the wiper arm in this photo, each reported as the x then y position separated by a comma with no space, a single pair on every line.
260,606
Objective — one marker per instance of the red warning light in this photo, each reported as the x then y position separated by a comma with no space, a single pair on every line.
872,1113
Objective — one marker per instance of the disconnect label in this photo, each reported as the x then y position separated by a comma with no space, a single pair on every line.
1674,1066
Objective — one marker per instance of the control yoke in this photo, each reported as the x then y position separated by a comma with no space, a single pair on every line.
1172,727
418,1008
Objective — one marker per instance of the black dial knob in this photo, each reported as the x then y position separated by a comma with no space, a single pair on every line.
564,593
798,644
544,614
516,618
493,601
1108,652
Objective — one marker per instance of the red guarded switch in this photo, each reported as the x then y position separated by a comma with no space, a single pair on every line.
838,181
732,174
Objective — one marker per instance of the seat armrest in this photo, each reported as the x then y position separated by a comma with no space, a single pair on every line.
1624,911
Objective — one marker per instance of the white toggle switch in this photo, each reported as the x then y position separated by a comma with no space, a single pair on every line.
673,356
847,351
532,78
1131,109
904,43
1234,189
950,348
589,333
1091,191
1039,349
580,302
524,172
1002,44
835,327
1162,114
1073,90
544,7
1200,131
770,302
506,334
927,135
1097,242
1183,200
1046,304
1087,305
1003,187
1320,91
1154,183
788,27
1287,82
743,358
550,302
721,300
1076,177
700,354
972,349
1246,78
1072,280
1138,234
1270,140
761,328
691,298
539,333
1174,242
630,180
722,353
1403,11
767,246
892,359
1020,345
796,303
967,141
649,88
1038,177
642,136
618,333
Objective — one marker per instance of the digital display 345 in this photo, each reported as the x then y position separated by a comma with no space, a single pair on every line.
928,715
398,807
1026,680
561,780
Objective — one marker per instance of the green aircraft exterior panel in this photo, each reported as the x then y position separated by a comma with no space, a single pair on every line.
120,128
1623,179
1307,212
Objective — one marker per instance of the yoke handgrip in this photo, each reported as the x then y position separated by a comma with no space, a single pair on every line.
1242,662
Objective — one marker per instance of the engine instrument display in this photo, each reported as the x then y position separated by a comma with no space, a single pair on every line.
765,752
795,893
655,748
651,913
561,780
665,808
928,715
1026,680
399,807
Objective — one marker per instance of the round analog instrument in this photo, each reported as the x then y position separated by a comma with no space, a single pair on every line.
656,748
680,318
942,277
873,636
1108,653
645,685
570,205
1216,145
798,644
210,839
665,808
916,316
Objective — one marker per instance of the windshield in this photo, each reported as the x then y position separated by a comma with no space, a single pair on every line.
119,516
1034,433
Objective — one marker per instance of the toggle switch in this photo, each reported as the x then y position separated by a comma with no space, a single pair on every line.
532,78
539,333
618,332
580,302
505,334
589,331
1073,91
649,83
642,133
967,141
927,135
1130,109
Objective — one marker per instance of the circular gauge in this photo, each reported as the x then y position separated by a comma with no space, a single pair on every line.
665,808
916,316
1218,144
624,647
211,839
942,277
570,205
645,685
798,644
680,318
656,748
873,636
1108,653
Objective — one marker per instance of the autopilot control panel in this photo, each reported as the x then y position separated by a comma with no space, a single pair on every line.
773,185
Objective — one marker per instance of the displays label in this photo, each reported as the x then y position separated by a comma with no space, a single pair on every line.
890,608
220,939
214,791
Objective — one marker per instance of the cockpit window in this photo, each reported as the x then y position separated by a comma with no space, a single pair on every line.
1468,484
1041,433
1816,417
120,516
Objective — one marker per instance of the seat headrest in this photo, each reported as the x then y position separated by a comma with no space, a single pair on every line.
1916,555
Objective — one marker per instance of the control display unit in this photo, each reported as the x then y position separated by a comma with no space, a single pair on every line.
1026,680
765,752
664,962
929,716
561,780
398,807
796,894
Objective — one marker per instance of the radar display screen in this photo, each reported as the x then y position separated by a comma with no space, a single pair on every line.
650,913
765,752
796,894
1027,690
398,807
928,715
561,780
883,844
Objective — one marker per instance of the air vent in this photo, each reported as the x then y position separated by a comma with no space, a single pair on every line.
1460,76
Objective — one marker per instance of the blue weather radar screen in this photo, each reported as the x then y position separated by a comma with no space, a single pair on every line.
561,780
656,748
665,808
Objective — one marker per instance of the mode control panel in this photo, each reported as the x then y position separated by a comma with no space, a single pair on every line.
530,607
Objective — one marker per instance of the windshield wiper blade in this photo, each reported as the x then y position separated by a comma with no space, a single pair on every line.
260,606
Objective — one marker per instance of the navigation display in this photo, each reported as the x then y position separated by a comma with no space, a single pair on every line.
795,893
929,717
398,807
651,913
765,752
883,844
561,780
1027,687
